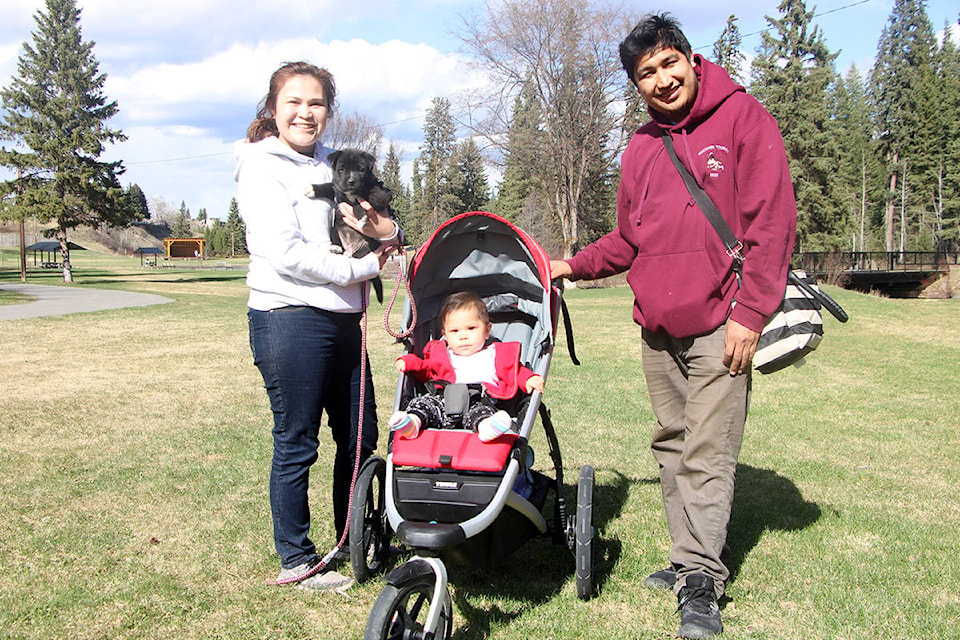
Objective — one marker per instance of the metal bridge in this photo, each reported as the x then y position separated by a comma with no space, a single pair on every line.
898,274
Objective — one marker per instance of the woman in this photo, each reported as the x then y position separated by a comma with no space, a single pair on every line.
305,306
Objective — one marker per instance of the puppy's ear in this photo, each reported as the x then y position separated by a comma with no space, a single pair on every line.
368,159
332,158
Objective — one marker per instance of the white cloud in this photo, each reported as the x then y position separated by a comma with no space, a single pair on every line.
182,118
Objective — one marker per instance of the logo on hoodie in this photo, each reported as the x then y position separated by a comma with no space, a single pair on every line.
715,155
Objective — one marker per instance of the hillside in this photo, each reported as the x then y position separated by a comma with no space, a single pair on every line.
119,241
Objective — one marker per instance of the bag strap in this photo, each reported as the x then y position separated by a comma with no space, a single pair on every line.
568,329
727,236
704,202
819,295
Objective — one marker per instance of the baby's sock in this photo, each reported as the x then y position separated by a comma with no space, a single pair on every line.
493,427
406,425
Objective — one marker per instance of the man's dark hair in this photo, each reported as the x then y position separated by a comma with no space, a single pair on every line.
655,31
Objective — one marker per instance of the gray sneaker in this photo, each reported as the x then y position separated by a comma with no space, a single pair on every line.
663,579
326,581
699,612
298,573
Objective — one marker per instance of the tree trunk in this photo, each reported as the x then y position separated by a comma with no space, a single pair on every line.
891,199
65,254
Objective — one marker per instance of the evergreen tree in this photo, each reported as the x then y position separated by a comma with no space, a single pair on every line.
859,176
726,50
470,178
902,87
521,160
235,230
947,145
791,75
181,224
137,201
202,216
436,201
55,113
391,178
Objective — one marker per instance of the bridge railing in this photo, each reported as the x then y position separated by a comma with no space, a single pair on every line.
837,262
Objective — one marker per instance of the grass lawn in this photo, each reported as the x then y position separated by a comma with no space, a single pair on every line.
135,447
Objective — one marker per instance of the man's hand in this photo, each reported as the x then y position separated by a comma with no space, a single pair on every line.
560,269
740,344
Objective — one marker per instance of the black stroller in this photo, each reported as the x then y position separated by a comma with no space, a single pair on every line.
446,495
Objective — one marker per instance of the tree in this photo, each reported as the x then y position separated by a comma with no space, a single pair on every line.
390,174
55,113
902,83
520,162
858,176
791,75
726,50
435,200
947,145
137,202
565,53
354,130
470,178
181,224
236,230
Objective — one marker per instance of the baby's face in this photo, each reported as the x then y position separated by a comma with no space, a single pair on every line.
465,332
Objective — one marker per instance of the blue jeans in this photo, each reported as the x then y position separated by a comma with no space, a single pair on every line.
310,362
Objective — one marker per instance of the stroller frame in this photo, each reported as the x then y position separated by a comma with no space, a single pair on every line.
486,254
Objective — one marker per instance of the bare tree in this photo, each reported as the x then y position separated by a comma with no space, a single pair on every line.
353,130
567,51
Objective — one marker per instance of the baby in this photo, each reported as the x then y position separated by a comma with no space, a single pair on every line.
463,356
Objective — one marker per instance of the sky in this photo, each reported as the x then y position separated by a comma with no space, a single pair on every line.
187,74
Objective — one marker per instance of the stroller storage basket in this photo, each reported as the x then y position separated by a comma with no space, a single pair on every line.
442,496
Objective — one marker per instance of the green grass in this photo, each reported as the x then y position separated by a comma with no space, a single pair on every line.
135,447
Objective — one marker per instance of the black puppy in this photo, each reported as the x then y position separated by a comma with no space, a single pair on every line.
353,178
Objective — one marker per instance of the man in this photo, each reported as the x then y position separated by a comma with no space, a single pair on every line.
701,309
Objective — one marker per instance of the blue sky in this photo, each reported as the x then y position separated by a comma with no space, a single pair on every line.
187,74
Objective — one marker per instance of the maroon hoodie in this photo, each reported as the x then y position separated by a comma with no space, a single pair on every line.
682,278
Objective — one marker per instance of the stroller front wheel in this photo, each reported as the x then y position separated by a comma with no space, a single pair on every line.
369,532
401,612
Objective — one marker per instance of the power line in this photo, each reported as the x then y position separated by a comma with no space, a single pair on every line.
816,15
206,155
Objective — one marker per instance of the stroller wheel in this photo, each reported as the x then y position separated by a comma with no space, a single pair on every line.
584,533
400,612
369,531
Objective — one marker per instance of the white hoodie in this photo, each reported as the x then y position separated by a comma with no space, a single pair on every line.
288,233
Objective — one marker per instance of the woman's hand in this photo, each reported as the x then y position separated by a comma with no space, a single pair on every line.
373,224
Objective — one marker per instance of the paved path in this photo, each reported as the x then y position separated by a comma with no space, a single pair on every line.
58,301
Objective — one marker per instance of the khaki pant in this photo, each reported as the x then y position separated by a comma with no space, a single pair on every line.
701,410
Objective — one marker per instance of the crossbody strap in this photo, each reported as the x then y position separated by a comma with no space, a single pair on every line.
726,234
704,202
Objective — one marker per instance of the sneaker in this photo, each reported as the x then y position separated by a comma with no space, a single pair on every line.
699,613
299,573
495,426
663,579
326,581
406,425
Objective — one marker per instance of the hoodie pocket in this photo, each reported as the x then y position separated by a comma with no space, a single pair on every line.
674,291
